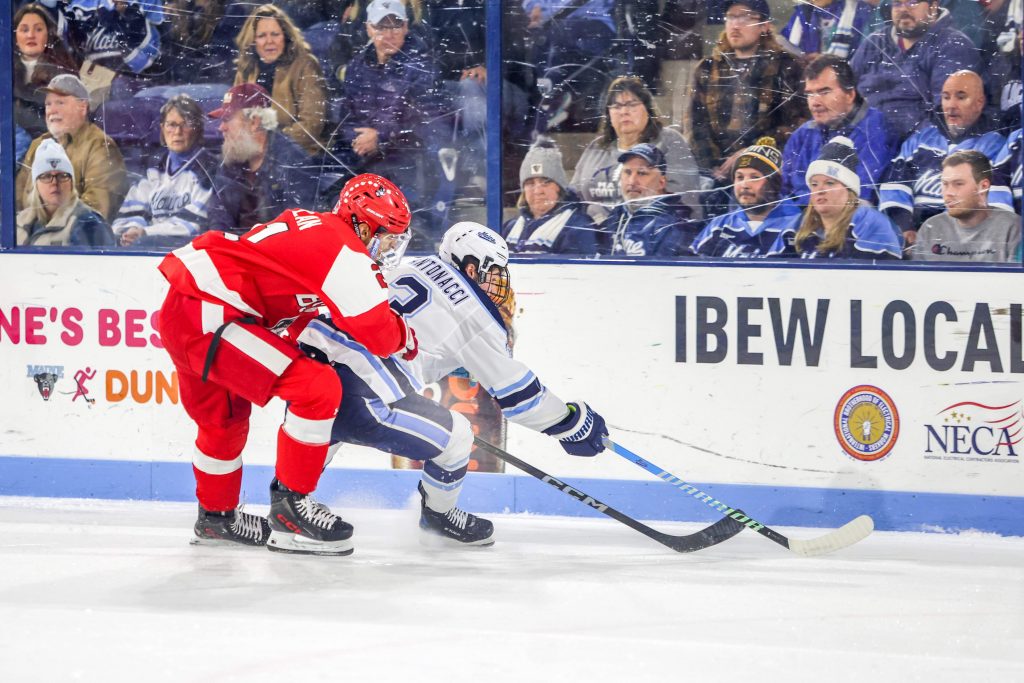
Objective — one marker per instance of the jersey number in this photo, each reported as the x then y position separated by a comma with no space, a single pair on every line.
420,295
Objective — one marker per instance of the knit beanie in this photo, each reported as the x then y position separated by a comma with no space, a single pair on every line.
763,156
544,160
51,157
759,6
837,159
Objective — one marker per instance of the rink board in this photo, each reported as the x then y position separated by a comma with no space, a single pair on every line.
810,391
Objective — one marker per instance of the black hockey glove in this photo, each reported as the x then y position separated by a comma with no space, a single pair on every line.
581,432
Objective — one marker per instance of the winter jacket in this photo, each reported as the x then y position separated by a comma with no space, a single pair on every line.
29,101
723,116
172,208
565,229
100,176
907,85
658,228
836,29
128,43
912,191
284,181
75,225
596,178
871,235
732,236
594,10
400,98
298,98
1006,172
875,146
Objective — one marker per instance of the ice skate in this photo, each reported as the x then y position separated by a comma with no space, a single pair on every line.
455,525
299,524
231,527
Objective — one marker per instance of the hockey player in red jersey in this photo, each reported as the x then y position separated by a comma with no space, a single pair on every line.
235,307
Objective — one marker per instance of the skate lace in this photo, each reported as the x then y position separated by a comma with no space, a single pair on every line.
458,517
247,525
316,513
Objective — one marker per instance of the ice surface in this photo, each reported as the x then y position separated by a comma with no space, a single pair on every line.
112,591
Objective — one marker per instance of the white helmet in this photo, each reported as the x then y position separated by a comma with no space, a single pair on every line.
487,249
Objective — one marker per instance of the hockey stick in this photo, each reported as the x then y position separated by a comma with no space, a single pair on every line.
846,535
721,530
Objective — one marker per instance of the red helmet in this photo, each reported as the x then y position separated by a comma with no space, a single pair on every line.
374,200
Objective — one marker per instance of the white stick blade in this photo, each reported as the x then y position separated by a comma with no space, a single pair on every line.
846,535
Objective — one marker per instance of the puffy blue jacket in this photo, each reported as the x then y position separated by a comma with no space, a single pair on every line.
907,85
871,235
912,191
731,235
875,146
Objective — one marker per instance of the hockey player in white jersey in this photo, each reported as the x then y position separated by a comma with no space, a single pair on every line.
451,300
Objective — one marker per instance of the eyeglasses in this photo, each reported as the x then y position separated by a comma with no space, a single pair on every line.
744,18
907,3
51,178
619,106
175,126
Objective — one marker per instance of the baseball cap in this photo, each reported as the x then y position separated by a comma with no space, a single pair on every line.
380,9
649,153
239,97
68,85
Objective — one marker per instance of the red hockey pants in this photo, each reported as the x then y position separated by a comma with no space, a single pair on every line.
249,364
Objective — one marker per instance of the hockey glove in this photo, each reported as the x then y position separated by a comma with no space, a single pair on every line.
410,347
581,432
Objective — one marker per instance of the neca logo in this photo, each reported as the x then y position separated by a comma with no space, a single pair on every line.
976,430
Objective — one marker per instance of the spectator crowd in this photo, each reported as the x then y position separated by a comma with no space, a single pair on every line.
838,129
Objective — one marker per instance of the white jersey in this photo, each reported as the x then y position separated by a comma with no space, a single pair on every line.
456,326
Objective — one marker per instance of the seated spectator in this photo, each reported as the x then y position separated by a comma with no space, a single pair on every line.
198,45
55,216
99,167
831,27
273,53
551,220
351,35
120,35
901,70
168,206
759,214
970,229
571,36
1001,54
748,88
262,172
39,55
648,222
630,118
1006,172
837,109
835,225
392,107
912,191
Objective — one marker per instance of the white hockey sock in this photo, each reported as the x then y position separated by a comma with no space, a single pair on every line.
443,475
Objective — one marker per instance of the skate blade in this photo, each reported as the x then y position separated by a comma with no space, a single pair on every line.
432,539
284,542
222,542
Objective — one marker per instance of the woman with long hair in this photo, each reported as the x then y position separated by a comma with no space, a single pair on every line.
273,53
630,118
39,55
834,224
